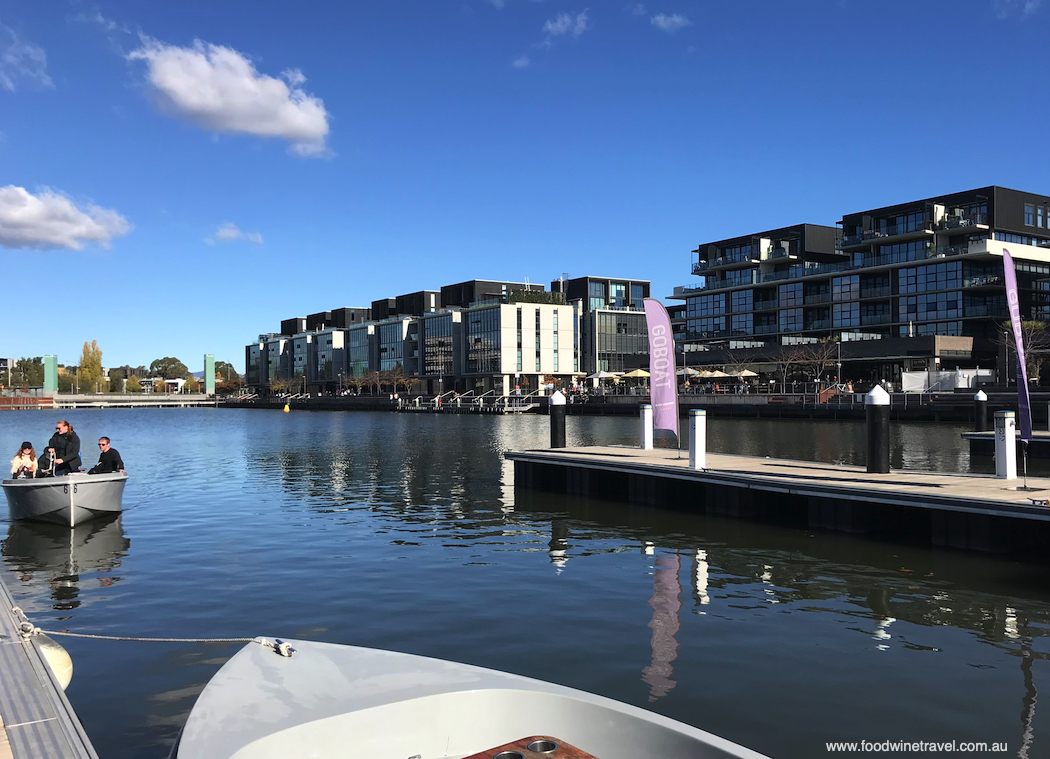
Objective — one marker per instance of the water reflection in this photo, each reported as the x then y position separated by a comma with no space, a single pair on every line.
665,626
63,558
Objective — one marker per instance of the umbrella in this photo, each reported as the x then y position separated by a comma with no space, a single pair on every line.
685,370
712,373
637,373
745,373
603,375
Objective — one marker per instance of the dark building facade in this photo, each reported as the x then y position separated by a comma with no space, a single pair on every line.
930,267
612,317
466,294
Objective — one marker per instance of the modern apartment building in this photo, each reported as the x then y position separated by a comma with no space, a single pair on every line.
613,326
910,286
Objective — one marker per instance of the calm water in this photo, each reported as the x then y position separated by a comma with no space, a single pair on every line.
404,532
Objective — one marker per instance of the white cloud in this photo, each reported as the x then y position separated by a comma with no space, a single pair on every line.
669,24
566,23
1006,8
522,62
48,221
220,90
20,59
638,10
228,232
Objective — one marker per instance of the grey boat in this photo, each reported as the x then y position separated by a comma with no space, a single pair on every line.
298,698
68,499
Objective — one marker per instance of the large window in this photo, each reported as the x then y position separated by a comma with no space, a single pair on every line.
845,288
597,295
391,346
918,279
359,361
791,295
437,345
620,335
637,297
743,300
706,305
845,314
931,306
790,319
743,324
483,340
1029,215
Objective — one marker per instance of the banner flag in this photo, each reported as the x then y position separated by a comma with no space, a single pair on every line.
663,384
1024,404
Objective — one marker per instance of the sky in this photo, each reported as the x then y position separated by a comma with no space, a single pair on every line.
178,177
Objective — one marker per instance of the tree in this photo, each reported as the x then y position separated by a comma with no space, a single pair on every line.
134,386
191,386
65,382
1036,338
160,386
228,388
89,376
28,371
169,368
225,371
116,381
814,358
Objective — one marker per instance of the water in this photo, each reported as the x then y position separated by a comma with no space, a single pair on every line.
404,532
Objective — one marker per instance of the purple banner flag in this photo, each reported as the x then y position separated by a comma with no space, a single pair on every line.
663,384
1024,405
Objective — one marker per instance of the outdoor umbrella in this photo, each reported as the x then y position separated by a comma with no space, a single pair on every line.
637,373
687,372
603,375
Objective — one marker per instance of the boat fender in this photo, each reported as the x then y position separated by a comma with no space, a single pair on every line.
57,658
287,408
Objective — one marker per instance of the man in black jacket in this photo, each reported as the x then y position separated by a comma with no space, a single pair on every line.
64,448
109,460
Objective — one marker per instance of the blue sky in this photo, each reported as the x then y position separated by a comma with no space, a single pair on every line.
176,178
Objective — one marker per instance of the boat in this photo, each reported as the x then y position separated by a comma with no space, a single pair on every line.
280,698
67,499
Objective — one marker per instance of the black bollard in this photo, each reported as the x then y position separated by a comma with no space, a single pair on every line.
557,411
877,409
980,412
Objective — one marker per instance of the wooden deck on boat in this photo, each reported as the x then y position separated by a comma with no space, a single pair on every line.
973,494
36,719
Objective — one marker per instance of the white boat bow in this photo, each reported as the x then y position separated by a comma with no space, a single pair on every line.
331,700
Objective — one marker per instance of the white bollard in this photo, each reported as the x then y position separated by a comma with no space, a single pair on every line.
1005,445
698,439
647,427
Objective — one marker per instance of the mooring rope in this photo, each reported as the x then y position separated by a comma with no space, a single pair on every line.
28,629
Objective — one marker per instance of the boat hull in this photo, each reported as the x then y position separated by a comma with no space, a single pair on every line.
333,700
69,499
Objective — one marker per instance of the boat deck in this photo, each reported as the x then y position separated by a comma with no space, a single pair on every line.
36,719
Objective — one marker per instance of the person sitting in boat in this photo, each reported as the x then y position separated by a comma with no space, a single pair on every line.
24,464
64,449
109,460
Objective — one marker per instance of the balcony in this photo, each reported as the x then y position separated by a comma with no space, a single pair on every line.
765,305
776,253
816,298
884,234
872,319
876,292
943,251
819,324
982,282
701,266
766,329
962,222
999,312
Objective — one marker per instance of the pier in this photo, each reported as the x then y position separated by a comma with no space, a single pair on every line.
972,512
36,719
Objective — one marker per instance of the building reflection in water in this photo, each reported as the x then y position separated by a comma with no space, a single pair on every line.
700,577
559,544
60,556
665,625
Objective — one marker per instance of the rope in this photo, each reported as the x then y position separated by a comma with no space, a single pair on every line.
28,630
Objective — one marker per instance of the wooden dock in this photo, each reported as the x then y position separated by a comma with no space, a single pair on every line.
36,719
975,512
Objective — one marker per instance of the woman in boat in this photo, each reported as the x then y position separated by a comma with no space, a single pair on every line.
64,447
24,465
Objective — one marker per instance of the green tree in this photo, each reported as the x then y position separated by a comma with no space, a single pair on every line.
134,386
89,376
169,368
65,382
191,386
116,381
228,388
29,372
224,371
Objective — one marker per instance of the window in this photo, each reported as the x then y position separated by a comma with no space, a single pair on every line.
1029,215
537,339
597,295
519,340
743,301
1039,217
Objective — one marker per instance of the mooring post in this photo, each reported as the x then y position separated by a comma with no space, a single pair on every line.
557,409
1005,445
647,427
877,410
980,412
697,439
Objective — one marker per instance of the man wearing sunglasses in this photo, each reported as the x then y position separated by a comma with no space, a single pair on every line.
109,460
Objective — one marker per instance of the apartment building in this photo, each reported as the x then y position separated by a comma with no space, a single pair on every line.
613,327
916,285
